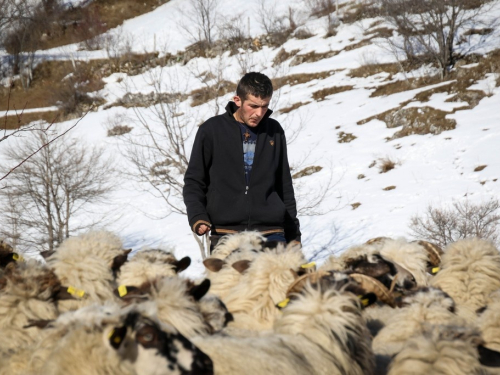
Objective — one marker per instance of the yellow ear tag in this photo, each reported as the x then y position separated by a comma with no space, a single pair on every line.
435,270
364,301
283,303
122,290
117,340
111,333
308,265
17,257
76,292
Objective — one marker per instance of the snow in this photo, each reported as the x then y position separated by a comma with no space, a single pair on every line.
431,169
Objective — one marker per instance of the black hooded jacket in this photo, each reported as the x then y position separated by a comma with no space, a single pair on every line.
215,190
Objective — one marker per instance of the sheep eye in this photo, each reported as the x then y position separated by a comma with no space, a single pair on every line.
148,337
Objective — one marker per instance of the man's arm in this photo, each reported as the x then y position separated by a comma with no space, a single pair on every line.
196,182
285,190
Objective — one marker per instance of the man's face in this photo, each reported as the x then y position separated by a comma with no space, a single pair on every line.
251,110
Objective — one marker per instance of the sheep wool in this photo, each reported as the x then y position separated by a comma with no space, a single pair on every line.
440,350
175,306
425,306
85,263
28,294
244,241
321,332
263,286
147,265
470,272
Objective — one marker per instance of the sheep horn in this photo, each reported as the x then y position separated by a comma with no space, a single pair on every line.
300,282
376,240
373,285
434,252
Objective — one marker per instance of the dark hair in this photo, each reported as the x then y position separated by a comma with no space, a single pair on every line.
256,84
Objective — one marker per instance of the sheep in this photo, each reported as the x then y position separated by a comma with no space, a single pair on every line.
321,331
149,264
243,241
489,323
426,305
263,285
30,292
470,272
227,273
128,343
441,350
88,263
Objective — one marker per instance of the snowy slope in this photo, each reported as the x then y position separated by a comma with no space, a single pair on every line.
431,169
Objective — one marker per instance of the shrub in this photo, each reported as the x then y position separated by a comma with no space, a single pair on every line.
443,225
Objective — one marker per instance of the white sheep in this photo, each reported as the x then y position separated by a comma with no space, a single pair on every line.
150,264
321,331
88,263
426,306
243,241
440,350
262,286
470,272
30,292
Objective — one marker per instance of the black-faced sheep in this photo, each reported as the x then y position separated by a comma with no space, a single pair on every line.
126,343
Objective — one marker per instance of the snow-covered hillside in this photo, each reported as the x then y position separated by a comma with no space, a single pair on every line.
340,131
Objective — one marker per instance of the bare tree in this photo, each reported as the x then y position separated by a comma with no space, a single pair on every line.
157,148
430,30
463,219
49,195
201,17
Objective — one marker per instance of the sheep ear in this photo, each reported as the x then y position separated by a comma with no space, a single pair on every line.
488,357
213,264
63,294
119,261
38,323
368,299
116,336
242,265
182,264
46,254
198,291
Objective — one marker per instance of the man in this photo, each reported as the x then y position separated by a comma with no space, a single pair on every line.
238,176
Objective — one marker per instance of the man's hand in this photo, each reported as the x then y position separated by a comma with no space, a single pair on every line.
203,229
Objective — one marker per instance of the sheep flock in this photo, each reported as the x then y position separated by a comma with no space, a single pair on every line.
388,306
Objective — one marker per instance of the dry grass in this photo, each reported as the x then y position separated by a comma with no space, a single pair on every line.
372,69
205,94
283,55
307,171
292,107
479,168
355,205
119,130
14,122
73,25
321,94
345,137
392,187
297,79
386,164
312,57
